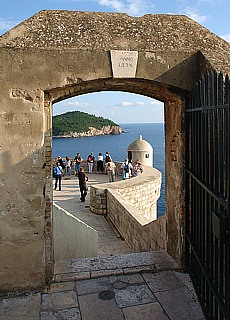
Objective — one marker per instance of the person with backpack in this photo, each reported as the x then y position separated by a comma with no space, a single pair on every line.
58,175
90,161
126,169
107,157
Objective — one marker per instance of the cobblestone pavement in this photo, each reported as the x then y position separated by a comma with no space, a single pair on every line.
128,287
112,286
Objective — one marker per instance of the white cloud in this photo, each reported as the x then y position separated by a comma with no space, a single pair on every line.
226,37
6,24
194,14
114,4
127,104
132,7
140,103
152,102
132,104
77,104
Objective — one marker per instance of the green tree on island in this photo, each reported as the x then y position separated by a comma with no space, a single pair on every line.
78,121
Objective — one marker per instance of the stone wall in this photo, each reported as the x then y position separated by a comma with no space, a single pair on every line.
56,55
131,206
140,233
143,196
72,237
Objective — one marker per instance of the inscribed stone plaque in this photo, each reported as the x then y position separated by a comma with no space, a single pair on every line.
124,63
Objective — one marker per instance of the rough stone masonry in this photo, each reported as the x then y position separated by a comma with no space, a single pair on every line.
55,55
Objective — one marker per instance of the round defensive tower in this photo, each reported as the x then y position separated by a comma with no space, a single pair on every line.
142,150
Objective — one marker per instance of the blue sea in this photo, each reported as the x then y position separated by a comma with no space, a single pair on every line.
117,146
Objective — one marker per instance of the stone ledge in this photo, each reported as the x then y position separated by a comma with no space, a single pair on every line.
130,191
87,268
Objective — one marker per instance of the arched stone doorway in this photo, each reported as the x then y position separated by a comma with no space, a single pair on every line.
174,101
174,141
59,54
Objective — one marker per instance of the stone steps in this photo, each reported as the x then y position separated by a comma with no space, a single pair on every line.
87,268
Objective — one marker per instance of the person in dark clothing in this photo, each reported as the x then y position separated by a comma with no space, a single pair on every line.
59,159
100,163
78,160
83,183
107,157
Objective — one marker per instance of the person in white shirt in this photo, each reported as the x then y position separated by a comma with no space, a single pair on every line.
100,163
110,169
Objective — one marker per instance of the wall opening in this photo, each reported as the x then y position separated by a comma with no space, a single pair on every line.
174,105
136,114
108,105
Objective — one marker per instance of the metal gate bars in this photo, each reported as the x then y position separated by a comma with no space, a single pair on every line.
208,193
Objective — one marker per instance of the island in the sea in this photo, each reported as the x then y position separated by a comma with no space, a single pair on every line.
76,124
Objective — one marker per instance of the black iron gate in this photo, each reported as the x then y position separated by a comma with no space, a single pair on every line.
208,193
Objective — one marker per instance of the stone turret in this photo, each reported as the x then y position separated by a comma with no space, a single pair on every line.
142,150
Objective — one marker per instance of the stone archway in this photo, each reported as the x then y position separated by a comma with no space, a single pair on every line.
174,101
59,54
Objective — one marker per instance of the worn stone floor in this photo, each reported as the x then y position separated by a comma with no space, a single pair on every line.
129,287
116,285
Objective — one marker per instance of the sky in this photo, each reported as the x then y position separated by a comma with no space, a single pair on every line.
119,106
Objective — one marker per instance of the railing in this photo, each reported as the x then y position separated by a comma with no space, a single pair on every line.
208,194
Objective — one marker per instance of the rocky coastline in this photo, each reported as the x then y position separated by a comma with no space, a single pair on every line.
105,130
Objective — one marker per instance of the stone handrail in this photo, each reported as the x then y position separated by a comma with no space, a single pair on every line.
131,206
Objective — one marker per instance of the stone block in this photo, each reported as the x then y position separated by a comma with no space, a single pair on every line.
180,304
70,313
21,308
150,311
162,281
133,295
59,300
92,286
103,273
127,279
92,307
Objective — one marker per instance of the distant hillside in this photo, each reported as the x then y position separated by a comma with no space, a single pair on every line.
78,123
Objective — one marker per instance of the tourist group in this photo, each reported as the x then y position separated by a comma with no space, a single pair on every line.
102,165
